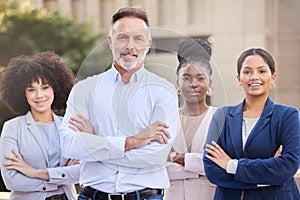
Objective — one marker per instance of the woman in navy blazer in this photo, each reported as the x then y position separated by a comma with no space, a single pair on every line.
32,166
253,148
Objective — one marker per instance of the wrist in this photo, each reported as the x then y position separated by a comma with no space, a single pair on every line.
42,174
129,143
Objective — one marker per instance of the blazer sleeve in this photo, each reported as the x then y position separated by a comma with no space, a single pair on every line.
64,175
214,173
13,179
276,171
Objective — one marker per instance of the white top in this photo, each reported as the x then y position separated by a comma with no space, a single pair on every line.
248,125
115,111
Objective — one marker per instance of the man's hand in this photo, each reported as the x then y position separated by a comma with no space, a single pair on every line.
80,123
72,162
157,127
154,132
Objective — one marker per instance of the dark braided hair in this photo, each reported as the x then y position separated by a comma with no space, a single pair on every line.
194,50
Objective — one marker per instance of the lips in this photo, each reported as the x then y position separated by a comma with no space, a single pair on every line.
193,93
40,103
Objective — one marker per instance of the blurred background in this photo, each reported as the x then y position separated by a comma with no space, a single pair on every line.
77,30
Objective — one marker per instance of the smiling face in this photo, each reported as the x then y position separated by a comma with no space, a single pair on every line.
129,40
255,76
193,83
40,97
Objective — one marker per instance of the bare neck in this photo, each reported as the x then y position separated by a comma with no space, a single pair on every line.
43,117
254,107
189,109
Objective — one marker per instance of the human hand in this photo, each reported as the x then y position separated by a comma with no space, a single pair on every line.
217,155
157,131
80,123
137,142
72,162
17,163
278,152
179,158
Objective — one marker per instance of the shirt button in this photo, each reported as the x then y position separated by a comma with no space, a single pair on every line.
63,175
44,188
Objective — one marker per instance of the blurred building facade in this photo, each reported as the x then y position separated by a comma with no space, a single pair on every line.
231,26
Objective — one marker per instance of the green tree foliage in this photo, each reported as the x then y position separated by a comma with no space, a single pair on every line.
27,29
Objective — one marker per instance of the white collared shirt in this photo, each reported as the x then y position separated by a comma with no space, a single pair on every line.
115,111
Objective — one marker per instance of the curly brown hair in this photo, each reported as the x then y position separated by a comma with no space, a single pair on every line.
23,70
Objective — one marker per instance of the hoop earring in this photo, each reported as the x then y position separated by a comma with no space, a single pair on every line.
209,92
178,91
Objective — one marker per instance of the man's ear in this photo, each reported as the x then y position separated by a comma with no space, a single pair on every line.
109,40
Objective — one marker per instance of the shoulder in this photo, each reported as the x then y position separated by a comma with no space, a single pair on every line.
14,123
15,120
285,111
154,78
86,86
224,110
89,80
286,108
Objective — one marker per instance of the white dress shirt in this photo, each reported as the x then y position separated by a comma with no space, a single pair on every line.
116,111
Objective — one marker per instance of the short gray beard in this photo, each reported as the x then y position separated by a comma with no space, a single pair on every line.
128,68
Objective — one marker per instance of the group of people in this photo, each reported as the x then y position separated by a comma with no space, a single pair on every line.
123,136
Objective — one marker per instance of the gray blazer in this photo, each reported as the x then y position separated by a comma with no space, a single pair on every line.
21,134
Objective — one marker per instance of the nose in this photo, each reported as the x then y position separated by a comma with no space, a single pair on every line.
130,44
193,84
39,93
254,75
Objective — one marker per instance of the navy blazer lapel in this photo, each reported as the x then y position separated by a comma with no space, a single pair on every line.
33,130
263,120
235,117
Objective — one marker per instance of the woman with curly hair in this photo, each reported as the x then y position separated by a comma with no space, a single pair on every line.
32,166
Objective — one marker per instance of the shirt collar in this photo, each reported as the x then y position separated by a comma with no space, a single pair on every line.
135,77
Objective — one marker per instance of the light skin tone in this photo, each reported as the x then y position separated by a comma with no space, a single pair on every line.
256,79
193,83
129,40
40,97
156,131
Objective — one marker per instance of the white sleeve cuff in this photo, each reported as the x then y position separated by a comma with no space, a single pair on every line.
232,166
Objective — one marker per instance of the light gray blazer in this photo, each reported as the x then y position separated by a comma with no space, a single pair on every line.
21,134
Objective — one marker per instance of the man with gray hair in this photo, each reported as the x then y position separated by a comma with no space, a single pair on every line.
133,115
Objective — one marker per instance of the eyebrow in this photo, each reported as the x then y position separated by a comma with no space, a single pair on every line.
262,66
201,74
